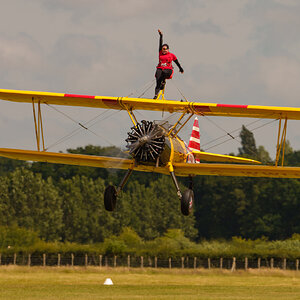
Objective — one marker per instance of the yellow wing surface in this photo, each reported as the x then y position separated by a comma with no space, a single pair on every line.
181,169
76,159
122,103
206,156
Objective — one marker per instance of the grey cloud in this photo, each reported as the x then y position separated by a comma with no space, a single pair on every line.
22,61
113,11
259,9
70,5
206,27
252,78
277,24
93,64
21,48
80,50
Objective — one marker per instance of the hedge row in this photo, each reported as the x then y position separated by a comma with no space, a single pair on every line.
172,244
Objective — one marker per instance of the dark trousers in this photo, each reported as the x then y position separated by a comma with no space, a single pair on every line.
161,76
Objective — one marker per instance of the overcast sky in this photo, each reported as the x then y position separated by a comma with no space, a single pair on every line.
233,52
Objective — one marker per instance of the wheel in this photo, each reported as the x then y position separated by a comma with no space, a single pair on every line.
187,200
110,198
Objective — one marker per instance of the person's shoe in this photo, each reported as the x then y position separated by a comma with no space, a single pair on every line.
155,97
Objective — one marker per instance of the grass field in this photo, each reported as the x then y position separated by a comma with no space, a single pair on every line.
87,283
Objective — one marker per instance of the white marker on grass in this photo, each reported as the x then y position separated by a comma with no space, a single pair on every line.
108,281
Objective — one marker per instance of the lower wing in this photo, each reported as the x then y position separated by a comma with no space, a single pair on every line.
223,158
78,160
181,169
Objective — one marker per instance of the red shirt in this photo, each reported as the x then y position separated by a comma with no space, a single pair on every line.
165,60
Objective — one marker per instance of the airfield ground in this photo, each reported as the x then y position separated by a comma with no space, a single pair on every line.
87,283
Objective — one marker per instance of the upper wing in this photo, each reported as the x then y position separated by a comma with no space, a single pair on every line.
121,103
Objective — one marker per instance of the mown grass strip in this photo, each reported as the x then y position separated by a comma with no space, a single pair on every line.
87,283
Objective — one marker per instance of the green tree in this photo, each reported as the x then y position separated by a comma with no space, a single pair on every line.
131,238
35,203
217,201
84,217
6,210
263,155
288,148
248,148
14,236
152,210
9,165
293,159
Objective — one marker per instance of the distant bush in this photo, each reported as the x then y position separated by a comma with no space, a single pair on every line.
15,237
172,244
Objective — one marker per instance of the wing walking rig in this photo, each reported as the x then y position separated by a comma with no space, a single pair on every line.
154,146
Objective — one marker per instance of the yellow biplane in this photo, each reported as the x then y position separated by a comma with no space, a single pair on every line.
156,146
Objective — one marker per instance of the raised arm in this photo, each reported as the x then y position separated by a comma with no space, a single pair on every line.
160,39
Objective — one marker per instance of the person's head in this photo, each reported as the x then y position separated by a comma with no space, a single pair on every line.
165,48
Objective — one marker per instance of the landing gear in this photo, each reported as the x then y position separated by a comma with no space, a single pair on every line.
111,193
187,198
110,198
176,184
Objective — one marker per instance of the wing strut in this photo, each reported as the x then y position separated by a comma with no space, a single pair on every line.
172,129
281,145
183,124
131,115
38,124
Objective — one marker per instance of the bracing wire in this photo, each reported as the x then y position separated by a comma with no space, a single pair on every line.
145,86
229,133
151,85
72,134
83,126
235,137
173,82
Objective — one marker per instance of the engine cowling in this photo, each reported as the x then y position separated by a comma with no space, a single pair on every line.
146,141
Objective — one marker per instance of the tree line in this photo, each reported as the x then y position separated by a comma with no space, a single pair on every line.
65,203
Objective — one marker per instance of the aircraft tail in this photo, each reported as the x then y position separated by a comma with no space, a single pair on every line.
194,143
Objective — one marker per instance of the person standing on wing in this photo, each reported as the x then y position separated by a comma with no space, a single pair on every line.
164,69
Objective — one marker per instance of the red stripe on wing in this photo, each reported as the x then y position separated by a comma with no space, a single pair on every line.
232,105
79,96
111,103
201,108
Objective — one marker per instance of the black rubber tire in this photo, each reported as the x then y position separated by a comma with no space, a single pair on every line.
187,200
110,198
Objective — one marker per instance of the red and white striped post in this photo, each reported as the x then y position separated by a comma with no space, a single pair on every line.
194,143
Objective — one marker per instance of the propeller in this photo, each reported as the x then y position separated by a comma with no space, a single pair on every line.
146,141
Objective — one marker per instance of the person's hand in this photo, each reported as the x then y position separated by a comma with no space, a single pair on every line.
160,33
181,71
